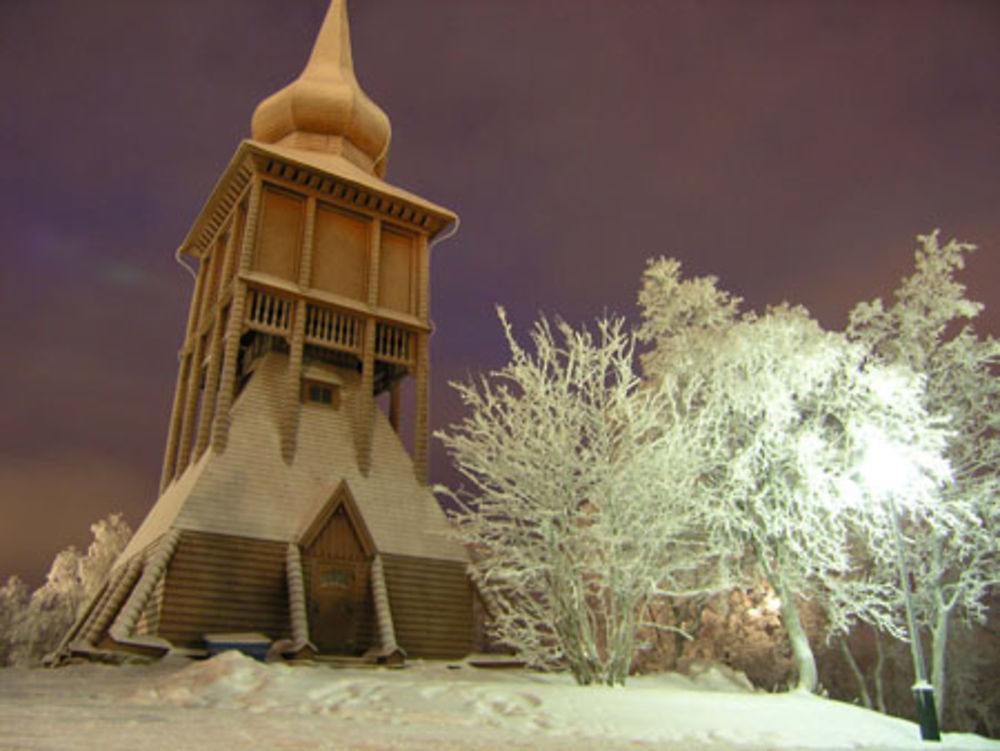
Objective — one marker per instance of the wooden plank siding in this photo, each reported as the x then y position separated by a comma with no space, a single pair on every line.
431,603
223,583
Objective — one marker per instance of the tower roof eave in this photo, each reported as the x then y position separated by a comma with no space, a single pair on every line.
332,168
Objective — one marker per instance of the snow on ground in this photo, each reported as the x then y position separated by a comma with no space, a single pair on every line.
233,702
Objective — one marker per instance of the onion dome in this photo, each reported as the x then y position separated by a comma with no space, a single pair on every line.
324,109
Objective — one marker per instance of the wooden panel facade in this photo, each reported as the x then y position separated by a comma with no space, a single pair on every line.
280,234
340,253
396,276
223,583
432,609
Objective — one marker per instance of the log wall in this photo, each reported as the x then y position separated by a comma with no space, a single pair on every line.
222,583
431,603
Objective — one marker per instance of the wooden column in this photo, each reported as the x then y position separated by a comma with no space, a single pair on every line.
173,432
234,326
190,404
208,307
394,406
213,373
420,421
366,396
291,407
177,410
207,417
423,398
293,384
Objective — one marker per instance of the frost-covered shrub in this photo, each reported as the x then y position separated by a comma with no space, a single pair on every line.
38,623
575,514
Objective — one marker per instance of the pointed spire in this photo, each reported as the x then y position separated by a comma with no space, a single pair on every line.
324,109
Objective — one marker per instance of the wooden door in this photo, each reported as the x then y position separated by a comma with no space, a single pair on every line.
338,570
339,590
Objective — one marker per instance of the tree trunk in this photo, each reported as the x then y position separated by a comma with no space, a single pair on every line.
939,649
879,668
845,649
805,661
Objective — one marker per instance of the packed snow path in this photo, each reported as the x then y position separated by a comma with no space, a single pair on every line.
231,701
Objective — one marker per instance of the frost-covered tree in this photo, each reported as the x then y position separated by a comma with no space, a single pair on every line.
73,579
787,415
928,329
13,601
576,510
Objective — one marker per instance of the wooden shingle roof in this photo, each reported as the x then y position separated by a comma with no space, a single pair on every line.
249,490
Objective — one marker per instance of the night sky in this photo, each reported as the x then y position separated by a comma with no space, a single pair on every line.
793,148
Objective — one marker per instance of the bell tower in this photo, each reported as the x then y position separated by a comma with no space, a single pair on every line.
304,249
290,513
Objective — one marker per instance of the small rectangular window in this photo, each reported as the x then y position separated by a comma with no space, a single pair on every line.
321,393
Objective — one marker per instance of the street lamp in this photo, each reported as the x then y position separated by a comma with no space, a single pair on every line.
884,468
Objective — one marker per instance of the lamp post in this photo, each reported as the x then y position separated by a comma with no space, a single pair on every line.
884,470
923,691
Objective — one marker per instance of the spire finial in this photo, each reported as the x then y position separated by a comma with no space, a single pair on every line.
324,109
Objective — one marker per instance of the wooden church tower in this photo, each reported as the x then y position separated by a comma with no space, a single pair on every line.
288,505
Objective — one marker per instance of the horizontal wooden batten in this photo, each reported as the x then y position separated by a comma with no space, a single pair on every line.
423,590
416,605
244,614
431,624
244,596
194,628
438,577
437,611
249,577
259,566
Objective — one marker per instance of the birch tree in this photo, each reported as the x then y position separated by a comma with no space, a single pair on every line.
787,414
928,329
577,504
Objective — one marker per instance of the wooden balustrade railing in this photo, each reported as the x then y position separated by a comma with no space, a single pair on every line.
268,312
272,313
394,344
329,327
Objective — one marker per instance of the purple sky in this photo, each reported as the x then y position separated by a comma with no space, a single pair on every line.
792,148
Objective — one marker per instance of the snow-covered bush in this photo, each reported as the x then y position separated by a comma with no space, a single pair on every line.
32,627
577,507
788,415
